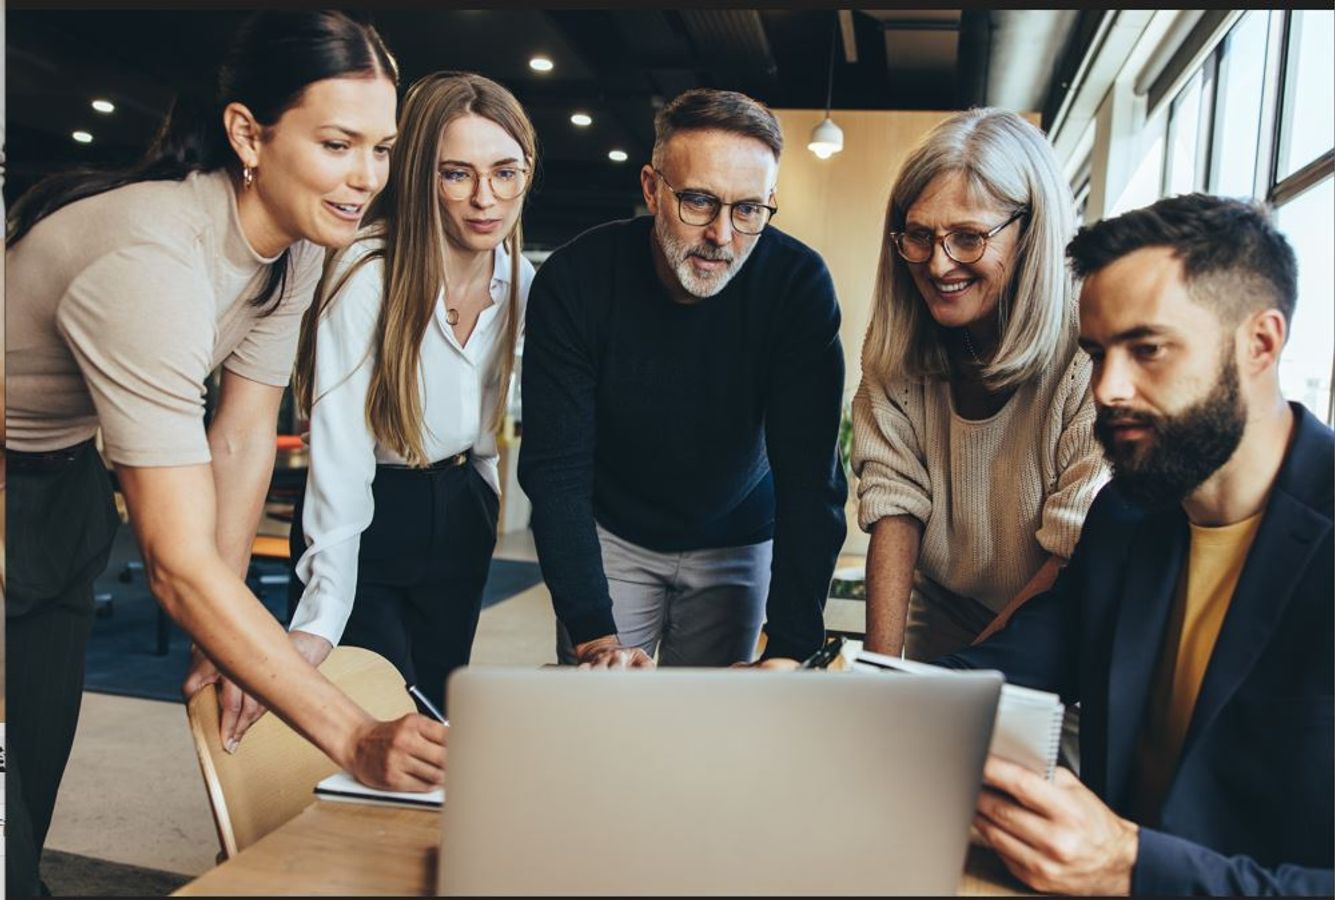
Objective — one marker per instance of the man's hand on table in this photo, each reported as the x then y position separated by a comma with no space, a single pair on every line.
1057,837
237,710
608,653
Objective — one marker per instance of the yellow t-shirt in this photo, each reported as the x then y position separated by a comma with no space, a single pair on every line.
1203,595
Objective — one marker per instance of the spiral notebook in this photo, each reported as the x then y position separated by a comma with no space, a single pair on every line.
1028,727
343,787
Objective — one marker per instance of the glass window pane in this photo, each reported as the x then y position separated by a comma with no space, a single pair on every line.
1142,188
1305,367
1183,130
1308,124
1238,107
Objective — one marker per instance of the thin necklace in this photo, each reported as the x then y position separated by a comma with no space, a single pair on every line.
452,313
968,344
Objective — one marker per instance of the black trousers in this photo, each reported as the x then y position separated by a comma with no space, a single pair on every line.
421,569
60,523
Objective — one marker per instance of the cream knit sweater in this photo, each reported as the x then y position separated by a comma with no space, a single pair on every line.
995,496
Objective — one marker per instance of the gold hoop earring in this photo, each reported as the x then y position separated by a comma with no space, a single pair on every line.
248,176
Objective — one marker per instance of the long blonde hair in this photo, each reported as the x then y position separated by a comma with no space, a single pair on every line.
407,218
1007,160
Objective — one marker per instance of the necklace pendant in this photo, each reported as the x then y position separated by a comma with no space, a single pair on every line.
452,316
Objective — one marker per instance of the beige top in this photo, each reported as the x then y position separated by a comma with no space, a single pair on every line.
996,495
120,305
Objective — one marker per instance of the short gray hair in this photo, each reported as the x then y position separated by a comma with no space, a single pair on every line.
707,109
1008,161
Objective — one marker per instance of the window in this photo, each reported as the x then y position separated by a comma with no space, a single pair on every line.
1238,107
1145,183
1305,368
1222,132
1184,144
1307,127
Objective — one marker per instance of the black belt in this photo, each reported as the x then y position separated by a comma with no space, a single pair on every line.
448,462
45,460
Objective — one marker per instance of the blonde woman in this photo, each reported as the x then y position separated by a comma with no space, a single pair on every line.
973,425
403,365
405,368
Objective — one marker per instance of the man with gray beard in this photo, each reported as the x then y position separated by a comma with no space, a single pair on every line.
682,382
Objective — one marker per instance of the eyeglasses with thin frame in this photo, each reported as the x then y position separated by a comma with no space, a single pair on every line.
461,182
697,208
963,246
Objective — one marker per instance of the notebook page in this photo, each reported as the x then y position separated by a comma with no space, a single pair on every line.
342,786
1028,726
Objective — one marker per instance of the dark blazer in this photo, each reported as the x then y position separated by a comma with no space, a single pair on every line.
1249,810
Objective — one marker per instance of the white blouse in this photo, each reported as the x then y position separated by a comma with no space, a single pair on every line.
460,388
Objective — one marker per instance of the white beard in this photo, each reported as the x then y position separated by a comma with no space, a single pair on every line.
678,254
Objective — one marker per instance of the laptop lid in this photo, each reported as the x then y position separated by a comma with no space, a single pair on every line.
711,781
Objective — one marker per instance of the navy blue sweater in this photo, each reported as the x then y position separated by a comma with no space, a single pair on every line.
682,427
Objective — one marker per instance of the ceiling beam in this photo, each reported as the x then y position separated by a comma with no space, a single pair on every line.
850,39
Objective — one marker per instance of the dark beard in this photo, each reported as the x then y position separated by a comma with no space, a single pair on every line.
1184,449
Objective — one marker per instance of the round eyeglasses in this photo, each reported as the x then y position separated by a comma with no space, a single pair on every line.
697,208
461,182
964,247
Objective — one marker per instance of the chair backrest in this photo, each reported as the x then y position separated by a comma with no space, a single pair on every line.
272,775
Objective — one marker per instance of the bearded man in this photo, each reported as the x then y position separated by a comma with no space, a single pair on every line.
682,382
1194,622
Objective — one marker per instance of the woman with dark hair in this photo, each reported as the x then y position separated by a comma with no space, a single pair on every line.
124,292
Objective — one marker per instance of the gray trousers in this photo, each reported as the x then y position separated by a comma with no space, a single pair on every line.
694,608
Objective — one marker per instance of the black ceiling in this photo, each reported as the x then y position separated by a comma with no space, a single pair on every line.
618,65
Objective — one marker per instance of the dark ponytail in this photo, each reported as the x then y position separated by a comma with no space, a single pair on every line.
272,59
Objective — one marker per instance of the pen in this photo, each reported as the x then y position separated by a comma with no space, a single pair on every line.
825,655
427,704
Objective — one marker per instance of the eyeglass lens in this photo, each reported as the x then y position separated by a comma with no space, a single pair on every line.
701,209
506,183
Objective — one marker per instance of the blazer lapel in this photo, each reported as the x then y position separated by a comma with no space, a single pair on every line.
1285,541
1155,559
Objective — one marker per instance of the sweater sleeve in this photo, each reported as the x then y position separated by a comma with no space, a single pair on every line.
801,436
887,455
557,451
339,503
1081,470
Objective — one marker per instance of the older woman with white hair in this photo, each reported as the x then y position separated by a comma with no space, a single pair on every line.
973,425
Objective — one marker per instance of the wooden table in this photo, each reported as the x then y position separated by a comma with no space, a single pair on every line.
350,849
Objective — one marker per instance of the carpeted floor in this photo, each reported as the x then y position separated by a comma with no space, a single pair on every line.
122,653
72,875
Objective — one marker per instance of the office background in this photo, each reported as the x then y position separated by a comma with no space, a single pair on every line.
1139,104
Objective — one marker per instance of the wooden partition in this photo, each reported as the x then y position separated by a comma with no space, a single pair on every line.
837,205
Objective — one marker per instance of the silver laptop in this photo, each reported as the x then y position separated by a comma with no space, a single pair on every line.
711,781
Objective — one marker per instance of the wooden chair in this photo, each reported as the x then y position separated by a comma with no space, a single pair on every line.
272,775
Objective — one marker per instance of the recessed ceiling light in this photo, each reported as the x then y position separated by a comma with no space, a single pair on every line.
617,155
581,119
104,106
82,137
540,64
